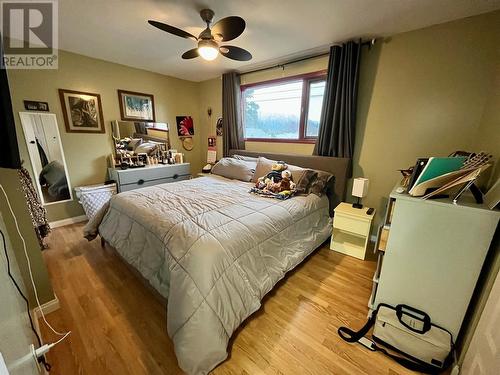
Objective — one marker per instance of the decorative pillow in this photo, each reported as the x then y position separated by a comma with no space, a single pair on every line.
264,166
235,169
304,183
134,143
247,158
146,147
324,181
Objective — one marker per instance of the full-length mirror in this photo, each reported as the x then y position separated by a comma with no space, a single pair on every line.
46,156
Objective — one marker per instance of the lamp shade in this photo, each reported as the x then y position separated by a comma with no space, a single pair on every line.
360,187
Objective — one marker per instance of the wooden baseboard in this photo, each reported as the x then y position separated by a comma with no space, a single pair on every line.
47,307
68,221
36,314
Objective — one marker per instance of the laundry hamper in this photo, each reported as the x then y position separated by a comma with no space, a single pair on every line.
93,197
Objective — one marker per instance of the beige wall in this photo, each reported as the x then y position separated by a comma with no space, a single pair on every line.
86,153
424,92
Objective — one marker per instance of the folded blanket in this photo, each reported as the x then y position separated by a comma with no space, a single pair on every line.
269,194
91,229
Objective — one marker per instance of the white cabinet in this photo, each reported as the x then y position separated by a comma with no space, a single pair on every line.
434,254
351,230
135,178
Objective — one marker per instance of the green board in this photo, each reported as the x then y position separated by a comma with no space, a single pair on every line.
438,166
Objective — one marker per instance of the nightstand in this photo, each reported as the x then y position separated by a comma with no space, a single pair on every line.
351,230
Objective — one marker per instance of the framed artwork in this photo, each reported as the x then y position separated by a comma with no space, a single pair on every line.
212,141
32,105
136,106
82,111
185,126
219,127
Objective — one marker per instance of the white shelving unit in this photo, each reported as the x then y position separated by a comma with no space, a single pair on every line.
433,256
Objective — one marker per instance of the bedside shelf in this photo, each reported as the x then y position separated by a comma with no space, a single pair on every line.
351,230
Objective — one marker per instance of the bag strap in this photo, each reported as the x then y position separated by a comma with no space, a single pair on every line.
352,336
408,363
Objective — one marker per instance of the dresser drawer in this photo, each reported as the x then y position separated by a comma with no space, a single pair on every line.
133,176
138,185
351,224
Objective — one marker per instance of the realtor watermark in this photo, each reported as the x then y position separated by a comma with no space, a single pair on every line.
30,34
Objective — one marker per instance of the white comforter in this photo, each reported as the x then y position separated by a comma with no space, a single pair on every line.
214,250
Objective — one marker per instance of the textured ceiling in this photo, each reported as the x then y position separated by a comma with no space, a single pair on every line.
117,30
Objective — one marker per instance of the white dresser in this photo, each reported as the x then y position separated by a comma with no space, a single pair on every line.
432,255
135,178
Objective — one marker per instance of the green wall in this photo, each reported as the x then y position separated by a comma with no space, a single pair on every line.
10,181
86,153
424,92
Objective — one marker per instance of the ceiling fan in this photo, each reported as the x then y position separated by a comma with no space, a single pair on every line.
209,40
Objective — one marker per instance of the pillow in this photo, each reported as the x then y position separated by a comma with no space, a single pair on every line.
264,166
304,182
235,169
324,181
133,143
247,158
146,147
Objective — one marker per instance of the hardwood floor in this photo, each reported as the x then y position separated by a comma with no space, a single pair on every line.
119,326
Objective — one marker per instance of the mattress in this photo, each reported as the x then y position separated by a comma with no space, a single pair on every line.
213,250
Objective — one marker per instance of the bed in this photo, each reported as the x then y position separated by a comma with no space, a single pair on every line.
213,250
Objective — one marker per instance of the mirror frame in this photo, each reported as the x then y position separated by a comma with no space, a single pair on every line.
22,116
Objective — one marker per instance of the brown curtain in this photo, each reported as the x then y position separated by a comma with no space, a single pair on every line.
338,115
232,126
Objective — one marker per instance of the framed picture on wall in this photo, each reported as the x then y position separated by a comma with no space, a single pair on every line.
82,111
219,127
185,126
136,106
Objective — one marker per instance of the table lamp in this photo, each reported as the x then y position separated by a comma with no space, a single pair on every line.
359,190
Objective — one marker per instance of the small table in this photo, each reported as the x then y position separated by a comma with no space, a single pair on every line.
351,230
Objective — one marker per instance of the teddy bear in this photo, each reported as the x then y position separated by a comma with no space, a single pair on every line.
265,182
285,184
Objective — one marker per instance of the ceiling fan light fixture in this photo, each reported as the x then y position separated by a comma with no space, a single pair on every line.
208,49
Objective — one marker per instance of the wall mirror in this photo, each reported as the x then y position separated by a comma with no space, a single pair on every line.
47,157
136,140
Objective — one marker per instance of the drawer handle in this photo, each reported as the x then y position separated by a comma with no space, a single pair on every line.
175,176
140,182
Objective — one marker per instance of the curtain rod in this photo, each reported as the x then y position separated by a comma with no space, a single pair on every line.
368,43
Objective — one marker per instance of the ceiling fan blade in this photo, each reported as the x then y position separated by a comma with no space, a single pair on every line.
229,28
172,30
235,53
191,54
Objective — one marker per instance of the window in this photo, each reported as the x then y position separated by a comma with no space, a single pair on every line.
286,110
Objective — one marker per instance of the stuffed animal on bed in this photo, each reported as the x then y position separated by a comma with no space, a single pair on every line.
272,177
285,184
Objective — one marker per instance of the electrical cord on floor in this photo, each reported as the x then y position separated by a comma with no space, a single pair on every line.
42,359
28,263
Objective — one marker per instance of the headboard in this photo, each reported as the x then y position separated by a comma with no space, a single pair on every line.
339,167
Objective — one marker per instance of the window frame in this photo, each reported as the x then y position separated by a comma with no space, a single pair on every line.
307,79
